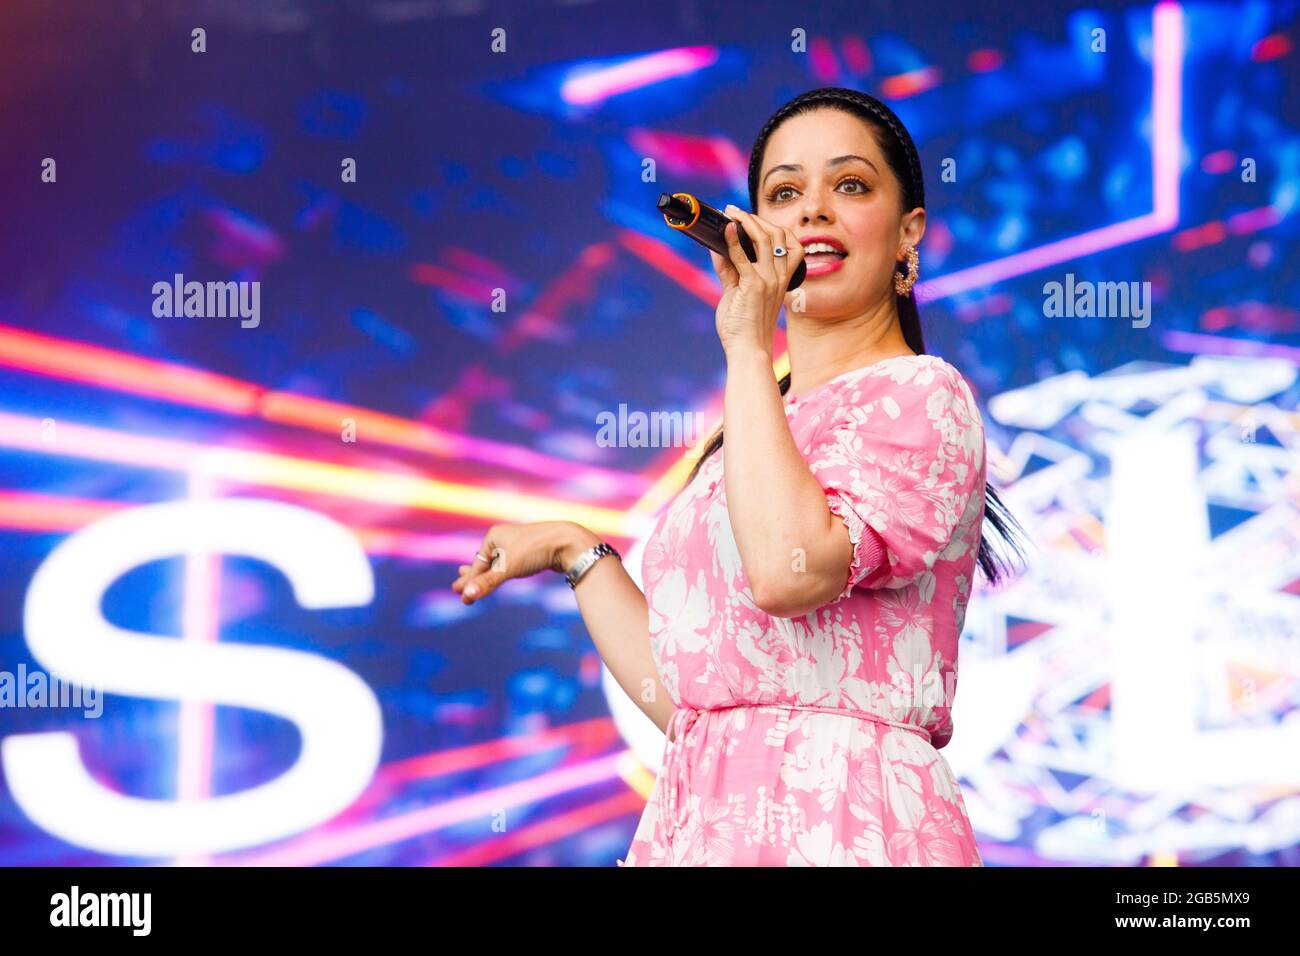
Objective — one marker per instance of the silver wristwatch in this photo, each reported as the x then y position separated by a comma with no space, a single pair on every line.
586,560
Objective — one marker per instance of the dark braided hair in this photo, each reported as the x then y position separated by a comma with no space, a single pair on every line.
902,156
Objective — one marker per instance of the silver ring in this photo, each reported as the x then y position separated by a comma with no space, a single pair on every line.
482,558
779,251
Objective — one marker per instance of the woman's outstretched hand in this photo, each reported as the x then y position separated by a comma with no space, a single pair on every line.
520,551
753,292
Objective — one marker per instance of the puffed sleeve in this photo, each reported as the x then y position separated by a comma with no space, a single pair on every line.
902,464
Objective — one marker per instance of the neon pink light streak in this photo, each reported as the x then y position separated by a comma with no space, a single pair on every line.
543,832
200,624
311,851
821,59
106,368
703,285
1202,344
1166,137
32,511
911,83
1254,220
577,285
857,55
603,82
1166,110
713,158
580,740
196,729
28,511
269,469
450,280
596,733
182,385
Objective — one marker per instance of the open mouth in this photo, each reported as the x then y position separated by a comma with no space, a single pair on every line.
822,253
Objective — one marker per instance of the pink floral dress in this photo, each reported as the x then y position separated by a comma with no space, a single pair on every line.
813,741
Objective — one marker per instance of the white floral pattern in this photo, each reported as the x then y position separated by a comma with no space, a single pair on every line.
813,741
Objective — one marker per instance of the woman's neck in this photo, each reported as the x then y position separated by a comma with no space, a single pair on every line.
822,349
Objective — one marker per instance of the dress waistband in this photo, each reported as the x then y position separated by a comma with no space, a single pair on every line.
684,718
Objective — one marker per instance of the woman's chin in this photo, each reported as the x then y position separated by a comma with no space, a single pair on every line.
824,305
820,311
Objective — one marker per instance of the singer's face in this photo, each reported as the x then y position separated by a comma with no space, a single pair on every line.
853,201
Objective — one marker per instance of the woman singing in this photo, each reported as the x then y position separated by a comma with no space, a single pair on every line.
804,593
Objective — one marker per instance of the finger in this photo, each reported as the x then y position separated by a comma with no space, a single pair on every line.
480,579
462,587
782,237
775,234
490,555
469,573
794,246
762,242
481,585
737,255
724,269
794,253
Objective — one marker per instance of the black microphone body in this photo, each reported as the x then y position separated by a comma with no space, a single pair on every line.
689,214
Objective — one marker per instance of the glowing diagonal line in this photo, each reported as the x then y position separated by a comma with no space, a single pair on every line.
661,256
106,368
1166,141
302,474
1198,343
404,826
196,726
603,82
180,384
32,511
543,832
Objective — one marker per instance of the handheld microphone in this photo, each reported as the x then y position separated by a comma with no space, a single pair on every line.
686,213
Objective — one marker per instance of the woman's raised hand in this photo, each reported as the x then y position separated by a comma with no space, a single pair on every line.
753,292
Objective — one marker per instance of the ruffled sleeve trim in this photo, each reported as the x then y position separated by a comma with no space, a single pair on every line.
868,546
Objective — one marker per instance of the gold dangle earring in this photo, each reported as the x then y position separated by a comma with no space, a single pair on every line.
903,284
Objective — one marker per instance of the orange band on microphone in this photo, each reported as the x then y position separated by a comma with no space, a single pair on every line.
695,212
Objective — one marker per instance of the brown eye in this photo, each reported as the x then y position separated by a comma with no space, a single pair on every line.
776,196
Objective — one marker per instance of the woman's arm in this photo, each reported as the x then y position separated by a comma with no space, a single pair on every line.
618,619
796,553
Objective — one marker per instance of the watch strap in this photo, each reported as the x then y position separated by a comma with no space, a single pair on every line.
586,560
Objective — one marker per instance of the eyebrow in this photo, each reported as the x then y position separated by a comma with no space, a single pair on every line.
795,167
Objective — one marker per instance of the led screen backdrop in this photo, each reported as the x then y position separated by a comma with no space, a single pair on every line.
241,528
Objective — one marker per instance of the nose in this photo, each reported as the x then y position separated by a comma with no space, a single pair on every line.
815,208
